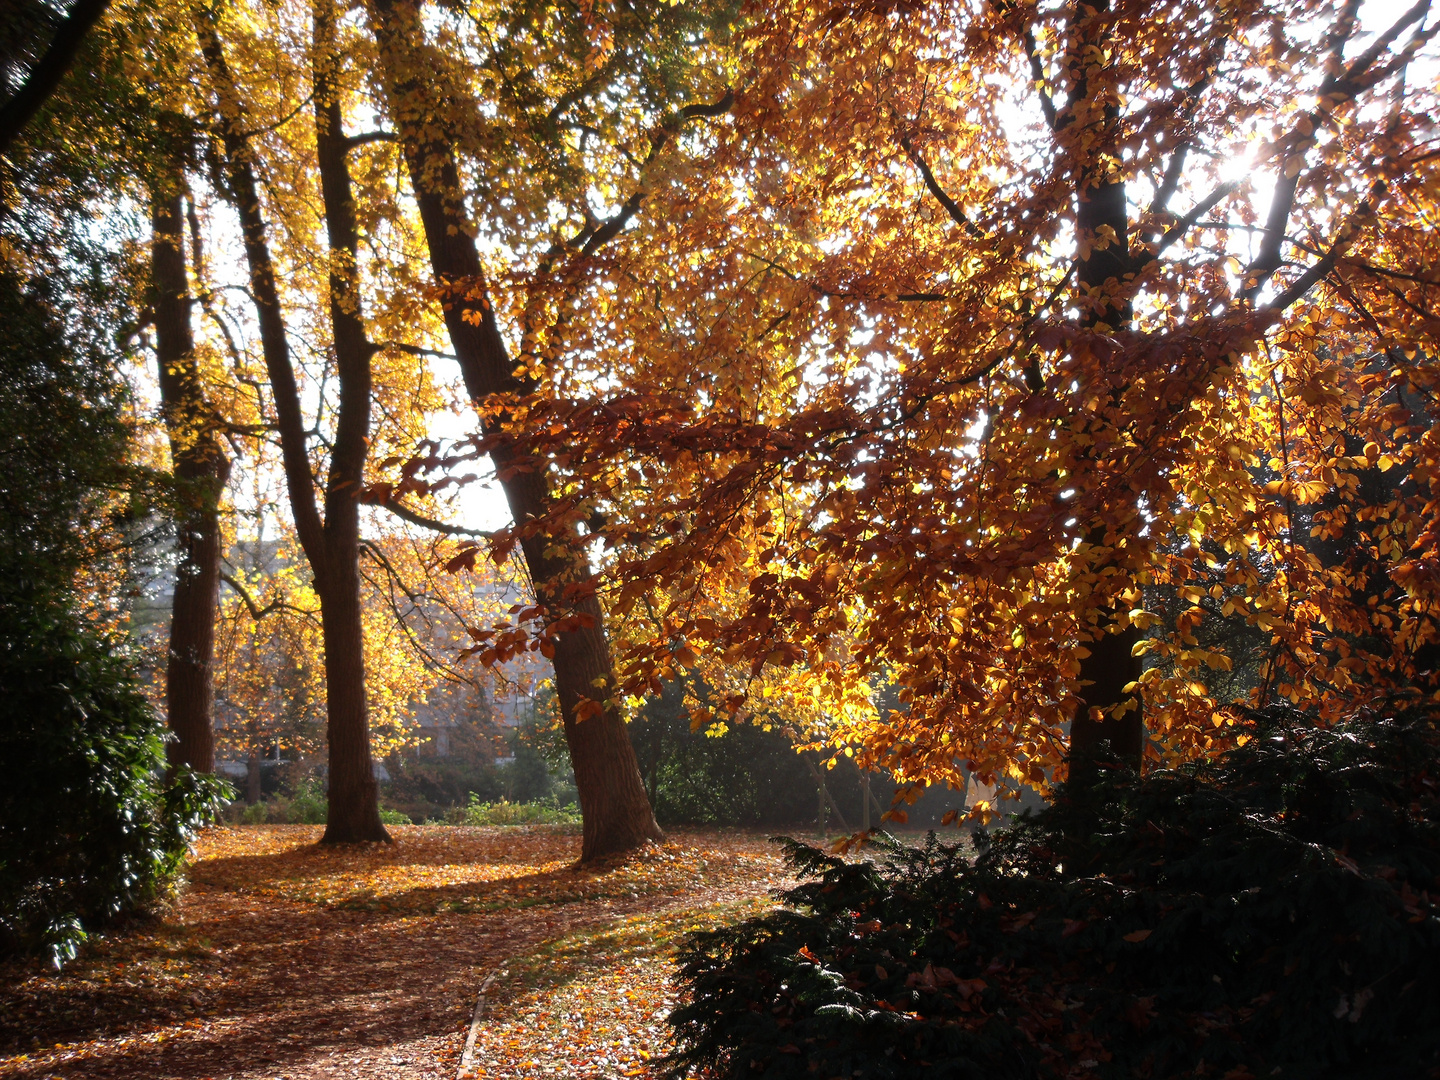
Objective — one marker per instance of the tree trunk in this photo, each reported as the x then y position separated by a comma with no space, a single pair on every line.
1103,296
1108,670
331,545
354,809
201,470
613,804
45,77
353,815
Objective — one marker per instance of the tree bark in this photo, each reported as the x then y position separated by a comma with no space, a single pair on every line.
616,813
331,544
201,470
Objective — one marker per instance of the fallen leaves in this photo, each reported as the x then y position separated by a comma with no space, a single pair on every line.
282,958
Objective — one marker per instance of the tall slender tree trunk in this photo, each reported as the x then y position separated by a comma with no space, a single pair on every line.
354,803
201,469
616,813
331,544
1102,222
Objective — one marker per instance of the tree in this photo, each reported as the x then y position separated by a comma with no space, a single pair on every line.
89,828
540,110
985,322
332,542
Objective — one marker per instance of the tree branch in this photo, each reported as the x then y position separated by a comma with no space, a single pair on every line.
354,141
1037,73
1346,84
45,76
1177,231
612,225
256,611
1171,180
952,208
1321,269
414,350
403,512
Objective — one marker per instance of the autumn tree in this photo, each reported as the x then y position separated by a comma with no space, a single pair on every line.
989,321
330,537
559,110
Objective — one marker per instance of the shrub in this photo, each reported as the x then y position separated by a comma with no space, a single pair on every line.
508,813
89,829
308,806
1265,914
750,776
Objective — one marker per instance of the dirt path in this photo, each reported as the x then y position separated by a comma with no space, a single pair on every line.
283,959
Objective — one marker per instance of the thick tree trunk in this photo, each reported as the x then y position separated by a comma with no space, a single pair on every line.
616,813
353,815
1108,670
1103,294
201,469
331,545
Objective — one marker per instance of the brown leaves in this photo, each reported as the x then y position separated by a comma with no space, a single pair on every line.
283,956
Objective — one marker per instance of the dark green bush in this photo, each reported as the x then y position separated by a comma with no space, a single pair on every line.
1265,914
88,827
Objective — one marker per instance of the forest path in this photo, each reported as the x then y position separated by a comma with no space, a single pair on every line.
283,959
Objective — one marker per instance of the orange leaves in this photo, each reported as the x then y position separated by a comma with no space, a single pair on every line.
581,959
588,707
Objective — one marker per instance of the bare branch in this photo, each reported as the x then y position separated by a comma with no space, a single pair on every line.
256,611
1177,231
353,142
413,350
1321,269
1171,181
612,226
45,76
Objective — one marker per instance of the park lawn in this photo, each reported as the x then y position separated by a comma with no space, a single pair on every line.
284,959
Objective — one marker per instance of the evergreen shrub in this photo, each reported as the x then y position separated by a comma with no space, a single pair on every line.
1266,914
89,828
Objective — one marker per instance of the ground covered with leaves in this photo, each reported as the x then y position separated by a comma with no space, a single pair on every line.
284,959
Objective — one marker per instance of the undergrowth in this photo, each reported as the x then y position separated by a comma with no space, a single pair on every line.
504,812
1266,914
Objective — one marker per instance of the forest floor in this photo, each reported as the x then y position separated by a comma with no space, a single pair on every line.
284,959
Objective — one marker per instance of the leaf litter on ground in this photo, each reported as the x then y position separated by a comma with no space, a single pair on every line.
284,959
